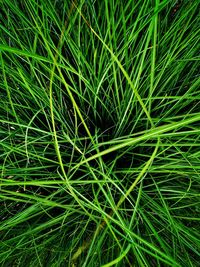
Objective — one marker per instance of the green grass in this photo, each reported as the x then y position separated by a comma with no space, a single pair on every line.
99,133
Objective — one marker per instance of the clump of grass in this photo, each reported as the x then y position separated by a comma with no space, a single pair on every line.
99,126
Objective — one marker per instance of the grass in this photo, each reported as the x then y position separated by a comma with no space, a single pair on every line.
100,133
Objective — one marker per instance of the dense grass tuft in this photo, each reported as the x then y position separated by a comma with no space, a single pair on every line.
100,133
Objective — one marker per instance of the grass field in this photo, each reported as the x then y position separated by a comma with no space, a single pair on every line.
99,133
